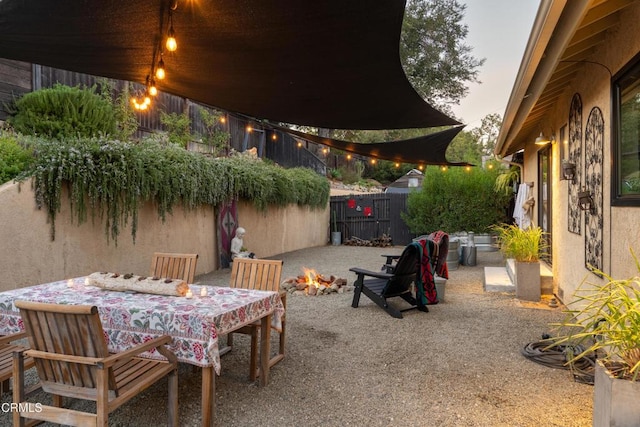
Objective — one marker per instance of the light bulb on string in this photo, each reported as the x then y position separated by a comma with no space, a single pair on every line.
153,90
171,43
160,73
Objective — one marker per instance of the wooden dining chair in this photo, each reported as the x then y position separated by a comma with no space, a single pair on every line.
174,266
7,347
264,275
71,358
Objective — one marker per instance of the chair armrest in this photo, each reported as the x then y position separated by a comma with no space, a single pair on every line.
37,354
376,274
137,350
9,338
390,258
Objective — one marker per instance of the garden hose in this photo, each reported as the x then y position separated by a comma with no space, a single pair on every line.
556,356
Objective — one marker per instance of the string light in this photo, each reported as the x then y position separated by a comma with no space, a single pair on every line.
397,165
274,137
373,161
348,156
420,167
171,44
160,73
249,128
153,90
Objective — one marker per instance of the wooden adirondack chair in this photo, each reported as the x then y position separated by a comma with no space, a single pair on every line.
390,283
6,358
174,266
70,353
264,275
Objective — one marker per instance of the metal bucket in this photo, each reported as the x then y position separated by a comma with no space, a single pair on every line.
469,255
453,258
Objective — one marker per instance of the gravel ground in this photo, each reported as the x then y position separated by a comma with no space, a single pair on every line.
458,365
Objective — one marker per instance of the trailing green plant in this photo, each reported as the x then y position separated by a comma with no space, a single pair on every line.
604,320
524,245
506,179
110,180
63,112
454,200
14,158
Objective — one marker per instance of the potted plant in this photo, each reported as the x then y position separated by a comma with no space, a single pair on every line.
525,247
604,319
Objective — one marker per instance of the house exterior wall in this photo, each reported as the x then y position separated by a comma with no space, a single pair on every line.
29,257
621,225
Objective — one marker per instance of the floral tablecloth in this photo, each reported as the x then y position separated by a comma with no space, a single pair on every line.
133,318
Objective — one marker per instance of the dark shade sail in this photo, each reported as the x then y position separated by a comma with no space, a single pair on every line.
329,63
427,150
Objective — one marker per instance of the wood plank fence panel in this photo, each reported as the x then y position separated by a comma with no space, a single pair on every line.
351,219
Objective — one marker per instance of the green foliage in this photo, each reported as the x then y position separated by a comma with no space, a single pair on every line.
352,173
457,199
111,180
178,127
217,139
14,159
465,148
435,58
506,179
63,112
385,171
605,320
523,245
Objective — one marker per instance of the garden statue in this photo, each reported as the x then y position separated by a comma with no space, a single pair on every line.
237,245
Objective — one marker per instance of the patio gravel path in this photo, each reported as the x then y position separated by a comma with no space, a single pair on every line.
458,365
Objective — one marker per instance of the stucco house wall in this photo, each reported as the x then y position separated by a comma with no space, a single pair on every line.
621,225
29,257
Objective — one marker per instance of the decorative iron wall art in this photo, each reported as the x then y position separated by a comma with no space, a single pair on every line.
593,167
575,156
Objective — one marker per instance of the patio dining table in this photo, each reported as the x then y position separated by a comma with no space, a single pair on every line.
194,324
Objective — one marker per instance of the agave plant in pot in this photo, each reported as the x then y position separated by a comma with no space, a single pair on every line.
525,246
604,319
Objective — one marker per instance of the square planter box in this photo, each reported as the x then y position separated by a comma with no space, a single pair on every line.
615,401
527,280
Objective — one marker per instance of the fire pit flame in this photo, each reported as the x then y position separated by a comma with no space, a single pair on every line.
313,283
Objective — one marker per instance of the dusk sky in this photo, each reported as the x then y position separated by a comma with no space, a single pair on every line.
498,31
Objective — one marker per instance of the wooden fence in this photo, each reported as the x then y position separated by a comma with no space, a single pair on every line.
368,216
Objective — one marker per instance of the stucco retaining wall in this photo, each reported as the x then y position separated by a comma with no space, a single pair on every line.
28,256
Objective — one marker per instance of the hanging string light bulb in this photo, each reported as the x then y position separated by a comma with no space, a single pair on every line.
153,90
160,73
171,43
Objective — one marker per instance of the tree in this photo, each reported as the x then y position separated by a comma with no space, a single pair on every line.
487,134
436,60
465,148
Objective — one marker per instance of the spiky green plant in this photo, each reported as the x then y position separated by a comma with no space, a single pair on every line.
524,245
605,320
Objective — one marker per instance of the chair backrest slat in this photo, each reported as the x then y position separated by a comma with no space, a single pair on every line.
259,274
68,330
174,266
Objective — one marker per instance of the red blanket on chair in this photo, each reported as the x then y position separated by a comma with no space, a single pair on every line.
425,284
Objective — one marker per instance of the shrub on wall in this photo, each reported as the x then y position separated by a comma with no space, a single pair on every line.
62,112
456,200
13,157
111,180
